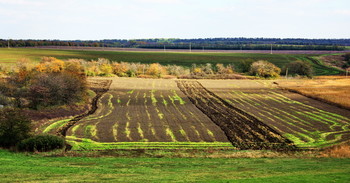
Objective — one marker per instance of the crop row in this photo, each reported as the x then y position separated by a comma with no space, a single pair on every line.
146,111
304,124
243,130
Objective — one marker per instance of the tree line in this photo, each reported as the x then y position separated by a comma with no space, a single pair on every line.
207,43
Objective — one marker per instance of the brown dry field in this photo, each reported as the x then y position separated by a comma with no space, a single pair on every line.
146,110
334,90
307,122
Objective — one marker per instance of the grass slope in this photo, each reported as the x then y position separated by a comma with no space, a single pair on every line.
35,168
184,59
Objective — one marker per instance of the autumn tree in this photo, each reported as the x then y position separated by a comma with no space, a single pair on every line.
50,64
221,69
49,89
156,70
120,69
264,69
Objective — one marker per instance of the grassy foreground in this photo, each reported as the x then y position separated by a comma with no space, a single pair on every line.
12,55
16,167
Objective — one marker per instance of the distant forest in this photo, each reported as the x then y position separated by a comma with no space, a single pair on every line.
206,43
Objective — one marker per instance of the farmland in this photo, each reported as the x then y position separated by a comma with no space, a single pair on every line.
306,122
170,114
144,113
328,89
10,56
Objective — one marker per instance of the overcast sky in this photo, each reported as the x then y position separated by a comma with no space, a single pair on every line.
132,19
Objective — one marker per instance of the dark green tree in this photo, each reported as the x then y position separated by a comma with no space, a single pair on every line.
299,68
14,127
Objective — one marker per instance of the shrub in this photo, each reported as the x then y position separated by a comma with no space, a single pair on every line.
264,69
156,70
14,127
120,69
221,69
244,65
299,68
49,89
347,57
41,143
106,70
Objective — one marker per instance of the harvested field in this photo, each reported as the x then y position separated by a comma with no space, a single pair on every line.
335,91
243,130
137,112
307,122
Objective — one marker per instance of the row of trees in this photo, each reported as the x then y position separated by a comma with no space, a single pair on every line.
212,43
47,70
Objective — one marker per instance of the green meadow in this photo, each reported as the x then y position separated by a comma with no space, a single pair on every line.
12,55
16,167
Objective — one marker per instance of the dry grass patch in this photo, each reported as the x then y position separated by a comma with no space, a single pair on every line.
337,151
334,90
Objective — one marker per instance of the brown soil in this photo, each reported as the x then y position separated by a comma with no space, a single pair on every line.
146,110
309,122
243,130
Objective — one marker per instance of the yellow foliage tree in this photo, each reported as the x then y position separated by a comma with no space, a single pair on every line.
120,69
156,70
50,64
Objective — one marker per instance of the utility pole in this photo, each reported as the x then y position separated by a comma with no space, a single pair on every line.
190,47
287,73
8,43
271,49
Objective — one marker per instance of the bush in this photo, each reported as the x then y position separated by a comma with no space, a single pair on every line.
264,69
347,57
14,127
299,68
41,143
244,65
50,89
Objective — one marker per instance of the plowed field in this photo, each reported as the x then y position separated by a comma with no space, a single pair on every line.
307,122
141,111
244,114
242,129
